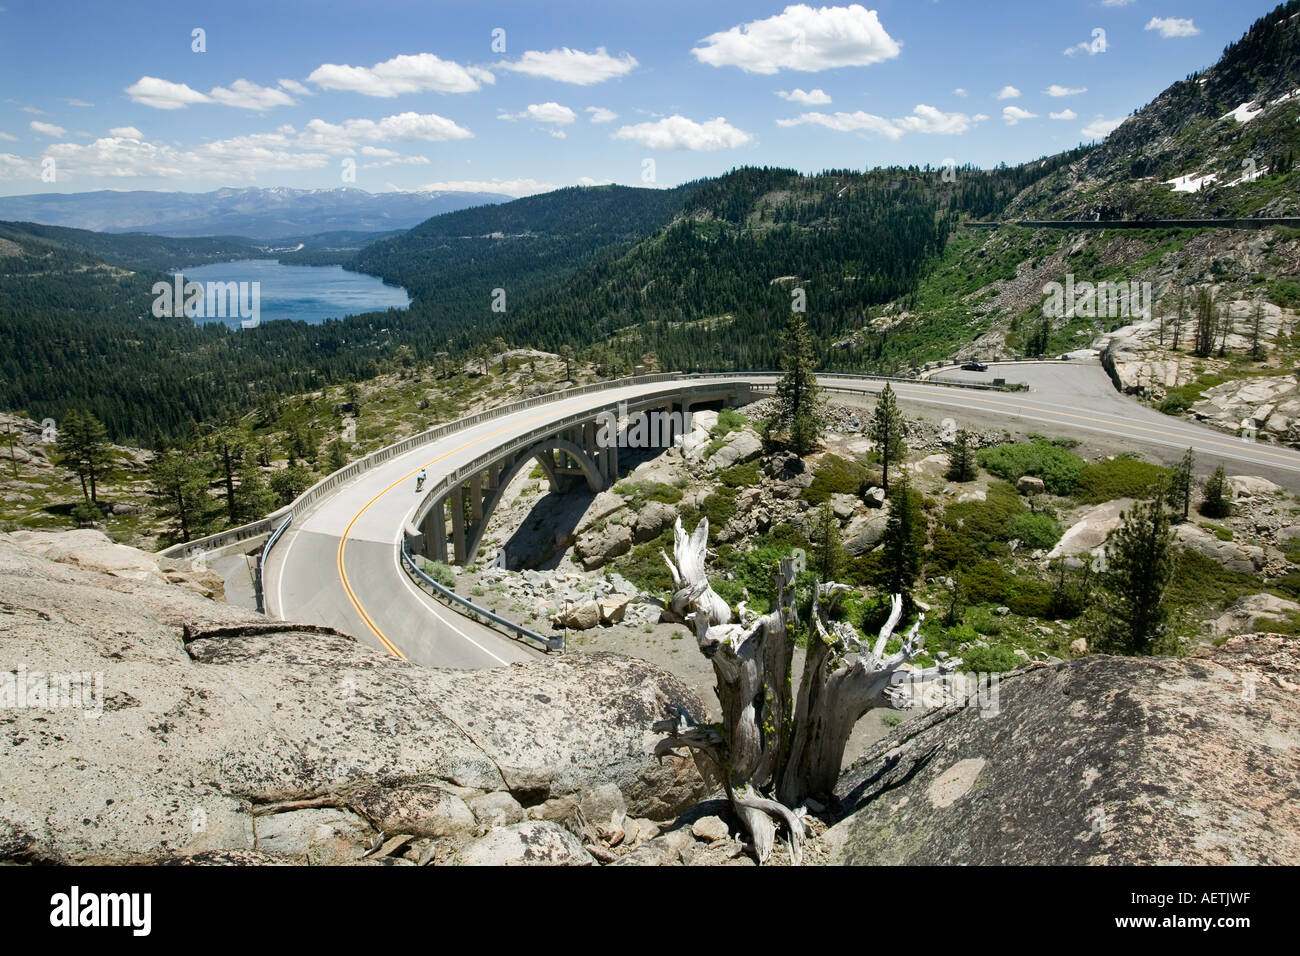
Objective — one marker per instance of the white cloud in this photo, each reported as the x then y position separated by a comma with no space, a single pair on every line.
960,91
927,119
855,122
293,86
163,94
1064,115
1098,44
250,96
510,187
573,66
924,119
342,137
238,158
125,132
1057,90
1172,27
1014,115
1008,93
387,157
1101,128
816,97
418,73
544,113
47,129
77,102
601,115
1115,3
802,38
8,138
678,132
33,110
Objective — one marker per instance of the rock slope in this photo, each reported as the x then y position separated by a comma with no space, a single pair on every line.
219,735
1101,760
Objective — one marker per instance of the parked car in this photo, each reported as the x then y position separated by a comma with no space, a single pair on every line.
975,367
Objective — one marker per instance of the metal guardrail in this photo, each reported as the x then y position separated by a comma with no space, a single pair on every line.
408,562
261,562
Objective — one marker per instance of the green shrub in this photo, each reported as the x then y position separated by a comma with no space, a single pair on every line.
1121,477
638,493
891,718
733,592
971,529
985,621
836,475
989,660
1290,583
719,508
441,573
1058,467
729,420
1200,582
741,476
1036,530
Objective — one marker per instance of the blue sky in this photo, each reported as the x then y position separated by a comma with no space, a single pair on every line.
415,95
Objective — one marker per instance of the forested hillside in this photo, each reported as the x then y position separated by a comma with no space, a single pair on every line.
451,263
135,250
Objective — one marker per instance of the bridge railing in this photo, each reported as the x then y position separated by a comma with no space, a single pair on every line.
261,562
408,563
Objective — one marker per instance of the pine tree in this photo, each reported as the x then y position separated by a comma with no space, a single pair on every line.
1134,618
798,397
227,445
961,459
1180,485
1216,503
253,498
902,541
829,545
337,455
180,484
84,449
888,431
1256,327
1207,323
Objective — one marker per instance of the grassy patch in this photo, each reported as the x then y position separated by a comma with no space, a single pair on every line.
1037,530
1058,467
638,493
741,476
1124,476
729,420
836,475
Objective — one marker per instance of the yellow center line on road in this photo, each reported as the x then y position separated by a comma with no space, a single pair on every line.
343,541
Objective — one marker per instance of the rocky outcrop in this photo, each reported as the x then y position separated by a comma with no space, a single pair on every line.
1100,760
95,551
740,447
215,730
1269,405
1254,612
1245,558
1091,529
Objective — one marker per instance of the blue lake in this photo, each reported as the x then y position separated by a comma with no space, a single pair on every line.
309,294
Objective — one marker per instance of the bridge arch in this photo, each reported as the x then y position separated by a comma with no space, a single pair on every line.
575,463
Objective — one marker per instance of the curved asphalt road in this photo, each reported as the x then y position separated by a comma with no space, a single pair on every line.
338,566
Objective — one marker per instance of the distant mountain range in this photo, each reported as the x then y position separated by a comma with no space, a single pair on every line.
261,214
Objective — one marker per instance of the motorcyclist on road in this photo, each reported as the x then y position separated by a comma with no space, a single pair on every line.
419,480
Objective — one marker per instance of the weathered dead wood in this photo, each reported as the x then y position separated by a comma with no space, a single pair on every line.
771,752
